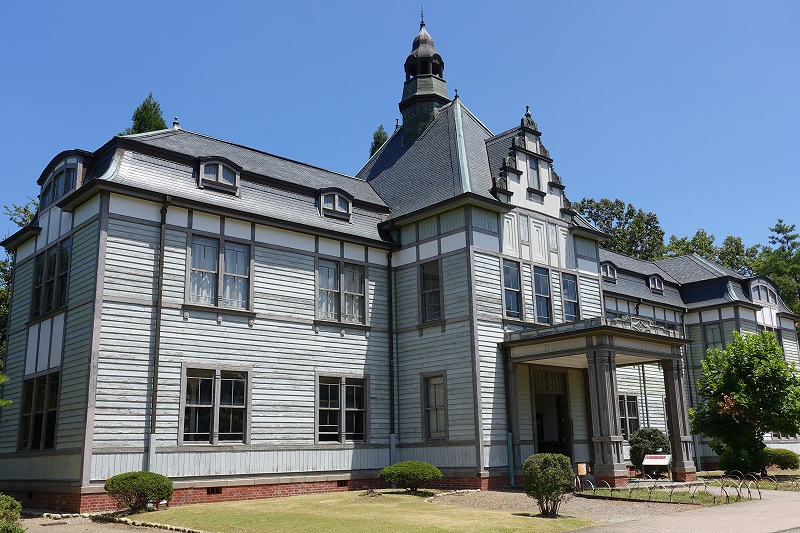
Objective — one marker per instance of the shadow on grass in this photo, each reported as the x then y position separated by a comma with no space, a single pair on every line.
401,492
540,515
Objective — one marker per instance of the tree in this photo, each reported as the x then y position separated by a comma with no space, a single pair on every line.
781,264
379,137
21,215
735,255
745,391
701,244
632,231
146,117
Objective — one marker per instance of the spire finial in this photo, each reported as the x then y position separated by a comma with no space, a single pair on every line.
175,124
422,17
456,93
396,123
527,111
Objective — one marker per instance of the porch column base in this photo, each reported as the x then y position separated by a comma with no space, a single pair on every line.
613,481
616,475
684,473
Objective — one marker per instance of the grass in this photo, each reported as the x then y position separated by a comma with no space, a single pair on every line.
701,497
391,511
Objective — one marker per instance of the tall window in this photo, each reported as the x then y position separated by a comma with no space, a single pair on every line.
712,333
435,408
341,400
204,277
511,286
39,411
51,278
431,291
533,174
215,406
541,287
628,415
334,303
570,293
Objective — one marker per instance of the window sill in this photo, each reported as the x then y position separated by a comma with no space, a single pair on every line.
217,186
332,213
219,310
537,192
45,316
556,185
341,324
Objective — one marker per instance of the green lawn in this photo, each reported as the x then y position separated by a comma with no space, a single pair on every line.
392,511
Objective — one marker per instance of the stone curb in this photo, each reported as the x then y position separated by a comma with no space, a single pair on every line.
125,521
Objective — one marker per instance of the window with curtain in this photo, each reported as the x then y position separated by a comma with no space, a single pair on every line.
511,289
208,255
541,287
342,292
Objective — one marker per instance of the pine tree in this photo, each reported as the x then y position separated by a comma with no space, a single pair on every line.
378,139
147,117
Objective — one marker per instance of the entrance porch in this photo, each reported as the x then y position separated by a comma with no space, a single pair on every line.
575,407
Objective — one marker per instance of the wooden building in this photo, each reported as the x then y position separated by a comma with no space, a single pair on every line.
252,326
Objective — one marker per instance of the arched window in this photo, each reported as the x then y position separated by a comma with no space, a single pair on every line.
609,272
219,175
764,293
336,204
656,284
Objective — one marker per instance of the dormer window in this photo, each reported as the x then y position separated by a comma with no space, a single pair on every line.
609,272
765,294
61,181
656,284
219,175
336,204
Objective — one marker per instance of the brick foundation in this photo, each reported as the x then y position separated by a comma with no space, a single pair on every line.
95,502
612,481
684,476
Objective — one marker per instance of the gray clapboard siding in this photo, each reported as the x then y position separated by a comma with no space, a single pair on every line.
131,260
556,296
576,386
492,381
406,287
488,289
528,296
646,382
284,283
74,376
434,351
46,467
21,291
450,456
455,289
589,297
747,326
728,327
790,348
174,267
83,263
524,402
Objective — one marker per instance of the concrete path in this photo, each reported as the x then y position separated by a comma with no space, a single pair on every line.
777,511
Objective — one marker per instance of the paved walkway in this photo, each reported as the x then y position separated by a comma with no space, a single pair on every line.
777,511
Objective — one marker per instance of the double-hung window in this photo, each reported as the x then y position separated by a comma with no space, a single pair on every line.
511,289
533,174
712,334
431,291
50,278
541,288
216,406
39,411
435,408
342,291
628,415
569,284
205,283
342,411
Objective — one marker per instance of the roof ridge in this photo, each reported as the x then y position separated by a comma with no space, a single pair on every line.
256,150
475,118
378,151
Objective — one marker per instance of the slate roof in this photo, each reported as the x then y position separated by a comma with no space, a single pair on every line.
427,171
196,145
692,268
631,264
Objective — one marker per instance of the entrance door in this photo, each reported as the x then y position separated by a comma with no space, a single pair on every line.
552,413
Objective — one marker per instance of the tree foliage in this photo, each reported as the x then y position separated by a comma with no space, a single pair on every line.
146,117
379,137
746,390
21,215
733,254
632,231
780,262
548,478
646,441
409,475
134,490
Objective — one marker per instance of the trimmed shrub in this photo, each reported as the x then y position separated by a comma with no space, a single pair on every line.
409,474
647,441
134,490
782,458
10,527
10,509
548,478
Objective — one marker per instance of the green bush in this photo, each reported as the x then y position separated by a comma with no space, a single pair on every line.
548,478
409,474
647,441
10,527
134,490
782,458
10,508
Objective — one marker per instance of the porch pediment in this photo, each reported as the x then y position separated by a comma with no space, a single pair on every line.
634,340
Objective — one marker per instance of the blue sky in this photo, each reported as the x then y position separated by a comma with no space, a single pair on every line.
688,109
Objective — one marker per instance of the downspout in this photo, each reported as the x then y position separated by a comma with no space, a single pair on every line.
151,448
509,417
392,428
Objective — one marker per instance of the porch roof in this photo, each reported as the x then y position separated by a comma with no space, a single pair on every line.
634,341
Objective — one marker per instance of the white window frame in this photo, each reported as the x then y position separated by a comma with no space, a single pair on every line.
216,404
625,415
608,272
656,284
713,343
52,191
509,290
341,384
572,278
220,272
762,292
336,209
542,300
340,294
218,182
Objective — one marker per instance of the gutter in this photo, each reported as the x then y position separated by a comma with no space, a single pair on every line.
392,426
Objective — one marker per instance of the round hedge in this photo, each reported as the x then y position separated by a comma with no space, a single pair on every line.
134,490
409,475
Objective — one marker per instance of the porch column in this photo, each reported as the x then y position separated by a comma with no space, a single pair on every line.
680,438
609,464
515,461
